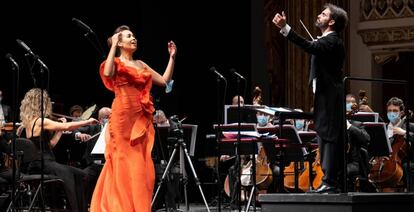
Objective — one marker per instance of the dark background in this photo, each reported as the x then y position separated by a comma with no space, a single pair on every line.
207,33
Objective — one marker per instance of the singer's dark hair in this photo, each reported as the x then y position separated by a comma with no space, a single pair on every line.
339,15
118,29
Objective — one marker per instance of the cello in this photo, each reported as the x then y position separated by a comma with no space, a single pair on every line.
263,172
386,171
304,185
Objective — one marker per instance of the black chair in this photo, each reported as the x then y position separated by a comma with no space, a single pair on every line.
359,182
28,185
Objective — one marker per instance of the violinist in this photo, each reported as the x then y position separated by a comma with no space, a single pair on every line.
397,127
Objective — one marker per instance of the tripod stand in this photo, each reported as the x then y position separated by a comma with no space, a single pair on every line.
181,146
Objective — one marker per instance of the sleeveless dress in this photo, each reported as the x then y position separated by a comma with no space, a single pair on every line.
73,178
127,179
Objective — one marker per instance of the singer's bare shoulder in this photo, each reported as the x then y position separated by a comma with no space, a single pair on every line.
141,64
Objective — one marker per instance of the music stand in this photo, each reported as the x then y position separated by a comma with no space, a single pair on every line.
231,130
365,117
294,150
380,144
248,113
235,145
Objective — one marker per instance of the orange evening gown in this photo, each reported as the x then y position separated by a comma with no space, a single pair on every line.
127,179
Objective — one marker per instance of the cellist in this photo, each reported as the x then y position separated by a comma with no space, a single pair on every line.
397,127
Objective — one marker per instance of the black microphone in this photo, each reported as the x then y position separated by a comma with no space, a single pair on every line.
25,47
10,57
213,69
237,74
82,25
29,51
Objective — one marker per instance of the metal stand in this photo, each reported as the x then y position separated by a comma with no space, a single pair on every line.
252,195
181,146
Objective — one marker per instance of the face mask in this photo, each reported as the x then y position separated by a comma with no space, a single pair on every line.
348,106
392,116
299,124
262,120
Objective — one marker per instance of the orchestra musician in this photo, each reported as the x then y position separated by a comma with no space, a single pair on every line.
397,127
89,135
356,149
30,113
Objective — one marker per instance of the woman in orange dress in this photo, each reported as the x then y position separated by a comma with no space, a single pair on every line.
127,179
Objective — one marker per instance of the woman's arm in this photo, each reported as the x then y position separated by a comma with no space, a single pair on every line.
109,68
68,126
55,139
166,77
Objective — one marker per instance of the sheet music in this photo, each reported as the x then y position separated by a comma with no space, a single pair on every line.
375,114
233,134
383,133
272,110
99,147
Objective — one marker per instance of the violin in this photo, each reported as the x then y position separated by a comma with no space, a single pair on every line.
8,127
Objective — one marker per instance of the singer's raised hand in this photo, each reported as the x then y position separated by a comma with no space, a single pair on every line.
280,20
172,49
115,39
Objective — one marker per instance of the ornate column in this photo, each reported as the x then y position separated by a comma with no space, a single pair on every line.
387,29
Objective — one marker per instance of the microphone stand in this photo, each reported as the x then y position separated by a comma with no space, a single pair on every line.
16,85
220,106
236,145
238,162
97,45
42,146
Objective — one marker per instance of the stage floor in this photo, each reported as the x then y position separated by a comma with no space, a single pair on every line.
199,207
343,202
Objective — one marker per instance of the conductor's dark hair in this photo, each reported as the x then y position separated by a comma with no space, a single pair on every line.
339,15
